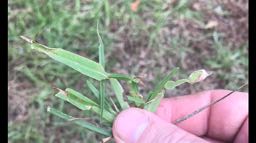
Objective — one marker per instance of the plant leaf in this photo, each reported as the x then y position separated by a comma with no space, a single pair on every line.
137,100
118,89
93,89
109,117
153,104
76,99
84,103
81,123
102,62
114,104
134,88
96,94
123,77
161,84
102,97
198,76
101,48
80,96
172,84
77,62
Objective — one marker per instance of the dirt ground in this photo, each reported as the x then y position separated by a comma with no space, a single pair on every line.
135,56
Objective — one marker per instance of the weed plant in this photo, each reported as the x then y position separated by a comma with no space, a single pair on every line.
100,102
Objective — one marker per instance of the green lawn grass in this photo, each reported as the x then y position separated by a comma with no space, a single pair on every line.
158,37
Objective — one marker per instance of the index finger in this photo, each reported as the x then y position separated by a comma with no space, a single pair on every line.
221,121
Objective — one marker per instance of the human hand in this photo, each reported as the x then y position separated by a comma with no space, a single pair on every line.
226,121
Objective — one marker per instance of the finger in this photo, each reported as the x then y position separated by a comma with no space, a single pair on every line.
242,135
212,140
221,121
171,109
137,125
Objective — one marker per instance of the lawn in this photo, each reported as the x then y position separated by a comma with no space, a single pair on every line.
146,40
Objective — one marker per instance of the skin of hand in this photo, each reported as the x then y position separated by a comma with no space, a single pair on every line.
225,121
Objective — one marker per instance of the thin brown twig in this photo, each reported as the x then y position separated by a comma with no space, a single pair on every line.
206,106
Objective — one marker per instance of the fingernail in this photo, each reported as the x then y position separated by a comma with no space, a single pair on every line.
130,125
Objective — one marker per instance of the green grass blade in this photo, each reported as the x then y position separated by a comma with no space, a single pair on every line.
75,99
122,77
93,89
26,71
109,117
80,96
81,123
77,5
102,97
118,89
96,94
102,62
161,85
77,62
134,88
107,11
137,100
114,104
153,104
101,48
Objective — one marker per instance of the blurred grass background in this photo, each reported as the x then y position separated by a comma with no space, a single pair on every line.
147,40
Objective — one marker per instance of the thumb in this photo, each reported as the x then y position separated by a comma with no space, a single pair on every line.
136,125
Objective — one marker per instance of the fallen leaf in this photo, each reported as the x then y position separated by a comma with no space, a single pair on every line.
134,5
211,24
